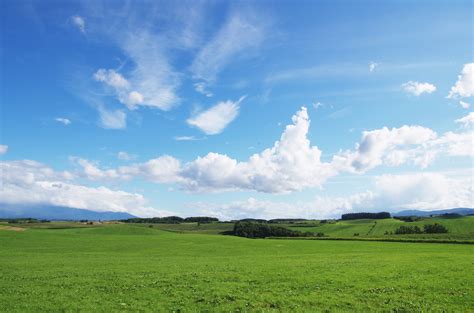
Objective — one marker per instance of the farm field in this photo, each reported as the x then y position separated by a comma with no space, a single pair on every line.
459,228
137,267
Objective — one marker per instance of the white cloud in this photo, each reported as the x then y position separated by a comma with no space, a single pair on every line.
32,183
319,207
422,191
292,164
3,149
150,80
111,78
153,77
373,66
417,88
63,120
79,22
187,138
134,98
239,33
464,105
467,120
464,86
215,119
120,86
201,88
317,105
115,119
124,156
386,146
428,191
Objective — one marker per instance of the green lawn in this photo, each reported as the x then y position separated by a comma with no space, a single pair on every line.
134,267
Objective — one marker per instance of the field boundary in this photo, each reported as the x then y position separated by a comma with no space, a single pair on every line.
11,228
407,240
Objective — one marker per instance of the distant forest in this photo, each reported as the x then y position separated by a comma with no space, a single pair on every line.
356,216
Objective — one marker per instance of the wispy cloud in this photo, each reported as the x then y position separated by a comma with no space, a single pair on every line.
3,149
467,120
215,119
316,105
125,156
243,30
79,22
188,138
201,88
464,105
342,70
373,66
63,120
112,119
152,76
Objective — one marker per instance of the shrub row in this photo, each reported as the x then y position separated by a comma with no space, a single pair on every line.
427,229
263,230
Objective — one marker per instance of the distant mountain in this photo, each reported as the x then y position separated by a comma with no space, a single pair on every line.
460,211
59,213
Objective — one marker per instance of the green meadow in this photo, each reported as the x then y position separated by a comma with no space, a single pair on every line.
459,227
189,267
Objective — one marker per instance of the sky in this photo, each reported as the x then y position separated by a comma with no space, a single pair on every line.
235,109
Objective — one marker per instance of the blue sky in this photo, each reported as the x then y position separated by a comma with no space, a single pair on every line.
237,109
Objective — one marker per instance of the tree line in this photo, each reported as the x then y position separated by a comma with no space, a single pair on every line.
365,215
427,229
172,220
251,229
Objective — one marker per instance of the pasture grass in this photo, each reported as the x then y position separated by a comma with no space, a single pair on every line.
140,268
458,228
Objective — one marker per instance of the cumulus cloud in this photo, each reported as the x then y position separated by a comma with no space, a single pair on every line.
417,88
293,164
112,119
467,120
464,86
428,191
3,149
215,119
423,191
387,146
79,22
32,183
63,120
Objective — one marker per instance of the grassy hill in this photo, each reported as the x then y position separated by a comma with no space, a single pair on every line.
114,267
458,228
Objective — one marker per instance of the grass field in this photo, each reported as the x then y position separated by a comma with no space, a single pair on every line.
135,267
459,228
